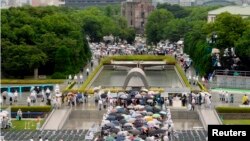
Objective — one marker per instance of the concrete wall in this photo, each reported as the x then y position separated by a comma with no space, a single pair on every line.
183,114
223,81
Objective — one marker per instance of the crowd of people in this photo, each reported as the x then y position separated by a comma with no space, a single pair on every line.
135,115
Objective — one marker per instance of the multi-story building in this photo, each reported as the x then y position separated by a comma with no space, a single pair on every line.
85,3
19,3
243,11
136,13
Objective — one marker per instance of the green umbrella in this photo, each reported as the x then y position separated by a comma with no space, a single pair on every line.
109,138
156,115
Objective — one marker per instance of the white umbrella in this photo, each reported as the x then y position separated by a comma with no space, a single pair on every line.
144,90
151,92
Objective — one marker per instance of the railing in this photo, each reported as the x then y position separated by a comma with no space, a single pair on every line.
64,119
47,119
232,73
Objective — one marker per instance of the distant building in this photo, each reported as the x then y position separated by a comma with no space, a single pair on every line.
173,2
136,13
85,3
19,3
243,11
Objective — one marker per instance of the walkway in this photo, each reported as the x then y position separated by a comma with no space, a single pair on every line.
57,119
208,117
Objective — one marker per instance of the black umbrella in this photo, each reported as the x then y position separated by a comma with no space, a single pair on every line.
138,123
111,125
127,128
149,108
119,117
111,117
114,130
115,122
123,121
104,95
135,132
155,132
156,109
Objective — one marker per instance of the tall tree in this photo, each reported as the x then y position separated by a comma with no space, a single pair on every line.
157,21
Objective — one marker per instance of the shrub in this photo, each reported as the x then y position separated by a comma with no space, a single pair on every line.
232,110
70,86
31,81
31,108
58,75
182,74
168,59
202,87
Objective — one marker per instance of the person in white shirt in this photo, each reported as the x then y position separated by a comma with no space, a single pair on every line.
100,104
87,71
28,100
15,96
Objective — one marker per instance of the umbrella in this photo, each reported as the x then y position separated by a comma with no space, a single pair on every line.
119,117
134,132
123,121
131,120
163,112
156,115
119,138
138,123
114,130
149,108
138,96
104,95
115,122
124,96
143,93
118,107
149,113
148,118
130,107
110,138
111,125
155,132
128,124
150,101
156,109
151,92
111,117
144,90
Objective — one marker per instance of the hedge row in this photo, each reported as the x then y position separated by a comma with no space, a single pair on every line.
70,86
168,59
183,76
31,108
202,87
31,81
233,109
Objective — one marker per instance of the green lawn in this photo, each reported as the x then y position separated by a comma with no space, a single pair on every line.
239,121
25,124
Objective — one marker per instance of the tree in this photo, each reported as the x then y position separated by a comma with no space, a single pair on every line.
229,29
157,20
176,10
62,59
176,29
243,49
19,60
93,28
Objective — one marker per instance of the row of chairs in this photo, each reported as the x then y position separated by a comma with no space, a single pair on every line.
189,135
24,135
